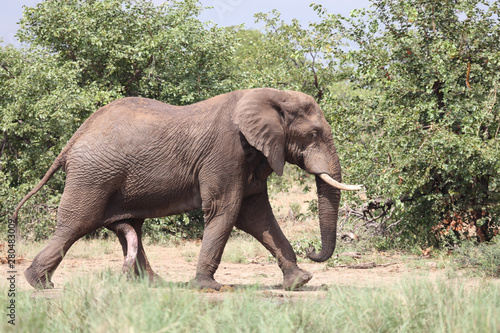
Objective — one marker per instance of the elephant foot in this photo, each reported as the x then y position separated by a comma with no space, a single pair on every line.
204,282
36,281
154,278
296,278
128,268
148,275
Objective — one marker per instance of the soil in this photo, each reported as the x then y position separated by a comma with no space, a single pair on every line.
173,265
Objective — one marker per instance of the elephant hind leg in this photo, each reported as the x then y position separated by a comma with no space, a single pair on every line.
80,212
45,263
142,265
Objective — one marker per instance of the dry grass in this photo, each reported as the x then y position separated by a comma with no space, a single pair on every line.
81,249
244,249
282,202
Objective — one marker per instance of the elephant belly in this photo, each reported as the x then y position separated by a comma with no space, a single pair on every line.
153,203
132,185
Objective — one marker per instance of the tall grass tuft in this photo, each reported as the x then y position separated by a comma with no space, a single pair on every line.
482,259
108,302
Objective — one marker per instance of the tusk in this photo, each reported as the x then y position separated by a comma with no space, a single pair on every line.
344,187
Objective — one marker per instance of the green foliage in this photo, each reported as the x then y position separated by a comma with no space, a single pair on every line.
42,106
425,133
312,208
409,88
162,52
305,244
40,214
85,54
287,56
183,226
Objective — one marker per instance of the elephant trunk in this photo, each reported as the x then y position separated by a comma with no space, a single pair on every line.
328,208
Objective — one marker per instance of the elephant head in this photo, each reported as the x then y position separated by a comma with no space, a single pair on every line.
290,126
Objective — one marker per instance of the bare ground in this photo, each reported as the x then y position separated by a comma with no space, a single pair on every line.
177,264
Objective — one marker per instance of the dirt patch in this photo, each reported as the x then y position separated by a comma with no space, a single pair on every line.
177,264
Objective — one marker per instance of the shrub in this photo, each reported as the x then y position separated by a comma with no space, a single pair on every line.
425,130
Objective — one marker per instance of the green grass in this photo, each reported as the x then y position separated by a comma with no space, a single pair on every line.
107,302
479,259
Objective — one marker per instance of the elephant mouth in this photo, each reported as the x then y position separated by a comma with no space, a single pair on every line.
344,187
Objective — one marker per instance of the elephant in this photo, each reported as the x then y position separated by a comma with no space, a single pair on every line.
139,158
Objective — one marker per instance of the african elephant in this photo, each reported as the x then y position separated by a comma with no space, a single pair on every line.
138,158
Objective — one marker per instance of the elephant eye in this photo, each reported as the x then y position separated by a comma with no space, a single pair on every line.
313,135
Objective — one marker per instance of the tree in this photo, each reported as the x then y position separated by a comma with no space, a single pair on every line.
287,56
425,133
162,52
86,53
41,107
83,54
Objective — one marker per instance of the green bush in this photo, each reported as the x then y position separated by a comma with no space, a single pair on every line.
305,244
177,227
425,130
409,87
38,215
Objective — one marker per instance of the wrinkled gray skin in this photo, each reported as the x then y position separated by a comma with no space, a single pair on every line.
138,158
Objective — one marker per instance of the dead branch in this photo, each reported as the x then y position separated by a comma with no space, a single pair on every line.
366,265
372,217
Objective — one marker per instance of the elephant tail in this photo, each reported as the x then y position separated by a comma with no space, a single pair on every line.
58,163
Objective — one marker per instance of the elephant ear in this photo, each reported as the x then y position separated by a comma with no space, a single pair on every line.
260,117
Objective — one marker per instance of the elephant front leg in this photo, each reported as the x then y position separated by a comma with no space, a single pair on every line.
218,226
256,218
